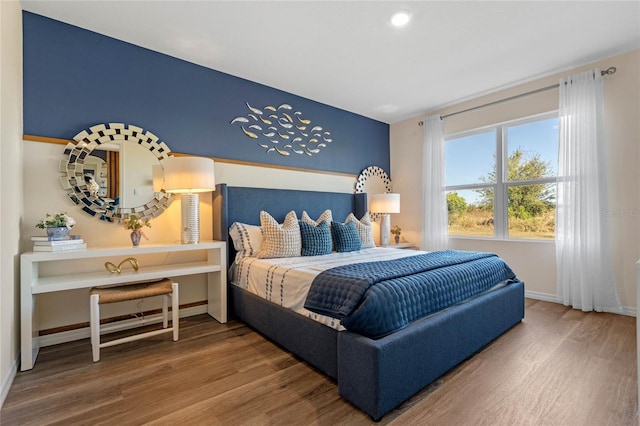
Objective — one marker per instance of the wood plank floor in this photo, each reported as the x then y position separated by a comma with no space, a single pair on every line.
557,367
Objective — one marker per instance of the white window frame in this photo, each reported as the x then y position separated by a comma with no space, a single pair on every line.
500,187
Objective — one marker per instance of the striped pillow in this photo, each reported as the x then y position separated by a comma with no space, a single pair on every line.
247,239
316,240
364,229
280,240
345,237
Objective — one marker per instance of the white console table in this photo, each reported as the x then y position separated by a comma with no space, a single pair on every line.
32,283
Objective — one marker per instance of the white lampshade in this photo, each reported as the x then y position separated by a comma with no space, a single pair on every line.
187,175
385,203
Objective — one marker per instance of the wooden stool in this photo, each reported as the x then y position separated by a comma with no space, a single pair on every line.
98,296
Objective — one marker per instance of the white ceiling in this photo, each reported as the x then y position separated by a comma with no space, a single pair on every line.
347,55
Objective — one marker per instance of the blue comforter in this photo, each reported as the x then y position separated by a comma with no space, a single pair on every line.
377,298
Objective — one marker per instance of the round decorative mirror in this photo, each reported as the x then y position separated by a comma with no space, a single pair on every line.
109,172
373,180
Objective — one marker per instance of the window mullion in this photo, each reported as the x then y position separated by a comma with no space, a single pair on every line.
532,181
499,206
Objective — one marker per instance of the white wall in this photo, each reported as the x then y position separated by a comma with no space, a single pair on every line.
534,262
10,186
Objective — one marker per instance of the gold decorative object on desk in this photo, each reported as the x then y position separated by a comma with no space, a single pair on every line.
113,268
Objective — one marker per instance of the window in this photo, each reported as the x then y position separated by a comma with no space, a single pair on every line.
501,180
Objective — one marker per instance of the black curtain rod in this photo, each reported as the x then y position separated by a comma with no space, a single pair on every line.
608,71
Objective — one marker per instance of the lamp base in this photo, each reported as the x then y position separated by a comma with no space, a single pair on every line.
190,218
385,230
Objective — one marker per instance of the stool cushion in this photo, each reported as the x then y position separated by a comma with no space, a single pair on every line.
132,291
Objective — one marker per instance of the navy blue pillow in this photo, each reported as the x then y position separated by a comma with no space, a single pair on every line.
345,236
316,240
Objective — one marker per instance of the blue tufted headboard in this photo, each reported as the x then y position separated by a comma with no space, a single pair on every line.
240,204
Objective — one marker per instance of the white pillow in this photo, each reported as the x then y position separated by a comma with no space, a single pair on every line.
280,240
247,239
364,229
326,216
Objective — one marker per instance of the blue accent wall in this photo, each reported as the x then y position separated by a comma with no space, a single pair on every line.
74,79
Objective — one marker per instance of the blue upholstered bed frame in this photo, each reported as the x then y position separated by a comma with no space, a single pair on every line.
374,375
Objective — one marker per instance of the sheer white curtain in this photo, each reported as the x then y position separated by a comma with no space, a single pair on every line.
583,248
434,221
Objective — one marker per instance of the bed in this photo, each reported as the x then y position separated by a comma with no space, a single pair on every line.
374,374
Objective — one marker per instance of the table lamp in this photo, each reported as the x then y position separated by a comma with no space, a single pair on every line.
188,176
385,204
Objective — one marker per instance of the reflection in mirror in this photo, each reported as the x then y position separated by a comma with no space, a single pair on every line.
95,175
109,172
127,174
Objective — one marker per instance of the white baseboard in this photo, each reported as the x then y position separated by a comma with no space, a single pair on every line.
85,333
8,380
541,296
629,311
626,310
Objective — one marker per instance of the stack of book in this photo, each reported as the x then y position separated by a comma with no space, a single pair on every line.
70,242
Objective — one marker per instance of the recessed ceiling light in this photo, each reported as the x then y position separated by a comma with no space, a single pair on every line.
400,19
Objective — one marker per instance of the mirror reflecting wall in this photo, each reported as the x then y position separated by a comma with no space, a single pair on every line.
108,172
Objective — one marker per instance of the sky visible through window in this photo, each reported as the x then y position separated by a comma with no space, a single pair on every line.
469,159
540,137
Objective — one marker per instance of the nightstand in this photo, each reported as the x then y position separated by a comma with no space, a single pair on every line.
406,246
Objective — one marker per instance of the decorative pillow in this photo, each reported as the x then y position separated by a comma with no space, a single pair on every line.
316,240
247,239
364,229
326,216
345,237
280,240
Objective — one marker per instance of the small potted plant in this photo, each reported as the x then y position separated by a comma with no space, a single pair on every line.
57,225
135,224
396,230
